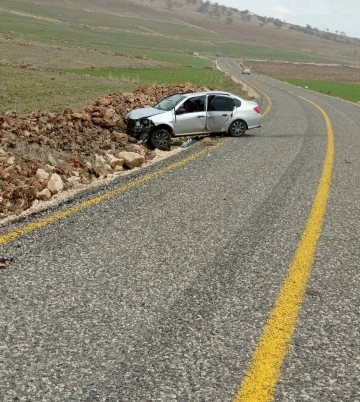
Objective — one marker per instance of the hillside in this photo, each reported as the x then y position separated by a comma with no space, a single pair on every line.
211,30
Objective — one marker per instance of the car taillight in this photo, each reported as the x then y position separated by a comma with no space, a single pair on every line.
257,109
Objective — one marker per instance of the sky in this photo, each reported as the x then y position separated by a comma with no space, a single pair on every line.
343,15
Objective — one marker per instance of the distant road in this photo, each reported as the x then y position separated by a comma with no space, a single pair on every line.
163,290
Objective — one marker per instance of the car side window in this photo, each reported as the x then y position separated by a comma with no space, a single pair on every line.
195,104
221,104
237,102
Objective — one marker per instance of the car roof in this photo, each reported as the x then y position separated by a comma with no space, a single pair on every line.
208,93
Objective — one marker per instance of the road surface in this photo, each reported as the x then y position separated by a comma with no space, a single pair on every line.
163,291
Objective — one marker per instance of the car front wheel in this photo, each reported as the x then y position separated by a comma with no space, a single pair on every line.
160,139
237,128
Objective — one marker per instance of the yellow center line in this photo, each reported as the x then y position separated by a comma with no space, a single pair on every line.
96,200
265,367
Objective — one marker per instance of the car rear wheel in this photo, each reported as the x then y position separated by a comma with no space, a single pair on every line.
237,128
160,139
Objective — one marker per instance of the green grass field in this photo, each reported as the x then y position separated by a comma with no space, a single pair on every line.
342,90
26,90
198,76
116,33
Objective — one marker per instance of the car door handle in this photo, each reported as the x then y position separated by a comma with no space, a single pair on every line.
201,117
224,115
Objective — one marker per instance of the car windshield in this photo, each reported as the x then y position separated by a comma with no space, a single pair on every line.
169,102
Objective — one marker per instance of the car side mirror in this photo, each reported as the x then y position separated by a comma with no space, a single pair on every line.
181,110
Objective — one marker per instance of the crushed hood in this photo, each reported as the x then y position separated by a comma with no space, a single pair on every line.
144,112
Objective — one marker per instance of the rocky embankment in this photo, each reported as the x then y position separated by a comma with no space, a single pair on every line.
43,154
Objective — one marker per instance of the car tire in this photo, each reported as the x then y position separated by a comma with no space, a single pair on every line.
160,139
237,128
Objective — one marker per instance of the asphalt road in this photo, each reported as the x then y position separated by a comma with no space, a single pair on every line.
162,292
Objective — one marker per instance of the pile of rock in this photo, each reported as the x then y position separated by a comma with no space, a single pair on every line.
45,153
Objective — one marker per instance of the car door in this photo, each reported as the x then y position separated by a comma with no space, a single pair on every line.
190,116
219,112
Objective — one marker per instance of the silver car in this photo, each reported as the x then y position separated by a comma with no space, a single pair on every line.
192,114
246,70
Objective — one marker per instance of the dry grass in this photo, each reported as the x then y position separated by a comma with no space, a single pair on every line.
268,36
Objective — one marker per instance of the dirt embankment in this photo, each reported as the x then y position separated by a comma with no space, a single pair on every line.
44,154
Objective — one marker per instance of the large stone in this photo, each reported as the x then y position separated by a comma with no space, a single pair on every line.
112,161
117,163
73,179
55,184
44,194
11,160
41,174
131,159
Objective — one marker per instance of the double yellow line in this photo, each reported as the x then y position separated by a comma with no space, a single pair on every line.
265,368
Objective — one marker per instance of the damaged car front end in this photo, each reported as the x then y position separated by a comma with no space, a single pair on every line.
140,122
139,129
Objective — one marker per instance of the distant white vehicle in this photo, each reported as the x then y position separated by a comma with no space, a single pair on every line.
246,70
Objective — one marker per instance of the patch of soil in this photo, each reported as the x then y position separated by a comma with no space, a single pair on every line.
320,72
